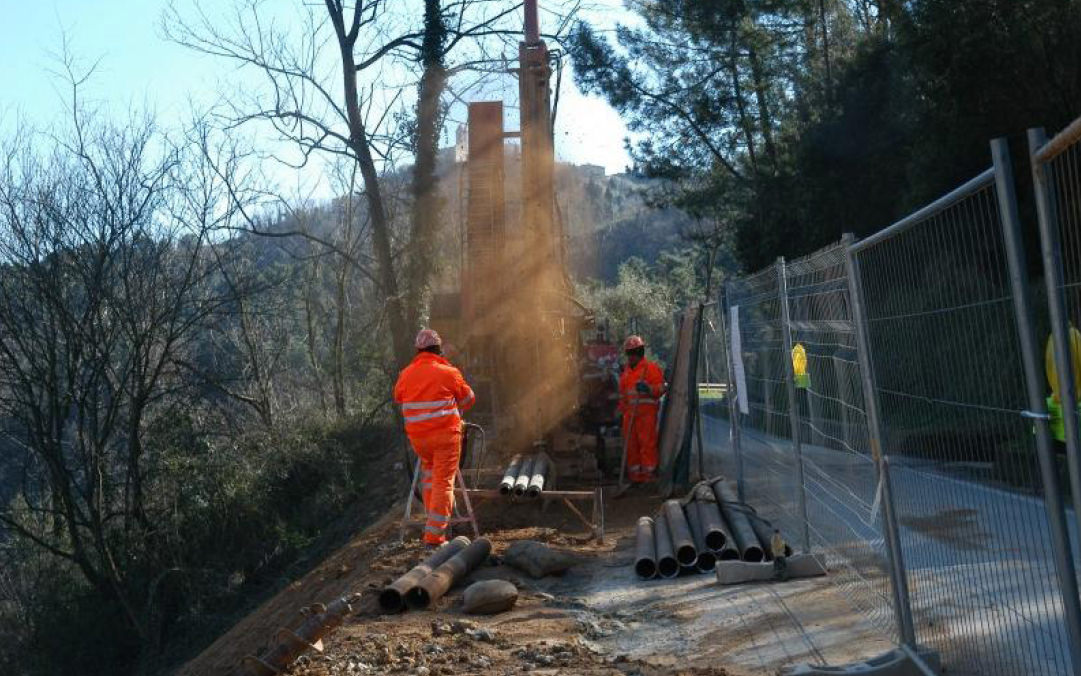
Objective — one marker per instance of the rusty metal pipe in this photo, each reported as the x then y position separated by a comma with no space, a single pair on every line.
645,549
506,486
540,476
680,530
667,566
735,513
291,644
392,598
525,475
436,583
706,560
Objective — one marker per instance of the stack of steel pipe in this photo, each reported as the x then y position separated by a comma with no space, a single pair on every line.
392,598
436,583
713,526
526,476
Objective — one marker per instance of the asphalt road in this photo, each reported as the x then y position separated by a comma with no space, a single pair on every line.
978,556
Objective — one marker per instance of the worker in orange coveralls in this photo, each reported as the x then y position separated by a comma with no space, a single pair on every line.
433,394
641,386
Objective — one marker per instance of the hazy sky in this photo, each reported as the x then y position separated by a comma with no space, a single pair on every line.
138,66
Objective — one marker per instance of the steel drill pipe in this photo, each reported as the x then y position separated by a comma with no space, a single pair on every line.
667,566
290,645
436,583
645,549
525,474
736,516
506,486
680,530
706,560
392,598
540,477
715,531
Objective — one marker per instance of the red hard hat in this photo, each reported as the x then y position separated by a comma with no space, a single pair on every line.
428,338
633,343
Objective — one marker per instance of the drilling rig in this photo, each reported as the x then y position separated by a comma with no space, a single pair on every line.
522,327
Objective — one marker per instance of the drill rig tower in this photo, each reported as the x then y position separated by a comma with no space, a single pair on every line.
521,323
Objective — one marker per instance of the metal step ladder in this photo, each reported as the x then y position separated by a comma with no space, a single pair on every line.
458,518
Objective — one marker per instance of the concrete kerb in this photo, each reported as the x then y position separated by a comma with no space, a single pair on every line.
740,572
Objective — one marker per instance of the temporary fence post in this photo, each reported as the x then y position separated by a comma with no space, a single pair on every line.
793,403
733,405
1056,514
1051,250
889,514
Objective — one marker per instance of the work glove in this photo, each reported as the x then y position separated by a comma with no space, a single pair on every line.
643,389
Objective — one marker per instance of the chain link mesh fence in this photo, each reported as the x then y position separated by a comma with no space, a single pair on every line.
949,386
951,392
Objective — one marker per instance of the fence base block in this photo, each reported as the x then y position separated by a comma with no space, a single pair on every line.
894,663
799,565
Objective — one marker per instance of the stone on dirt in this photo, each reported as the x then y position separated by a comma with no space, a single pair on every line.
489,597
537,559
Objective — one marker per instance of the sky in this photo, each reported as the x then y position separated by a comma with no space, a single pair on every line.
137,67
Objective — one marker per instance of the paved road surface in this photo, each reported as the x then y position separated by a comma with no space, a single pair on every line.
979,557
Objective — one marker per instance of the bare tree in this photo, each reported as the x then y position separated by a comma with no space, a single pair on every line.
338,86
107,285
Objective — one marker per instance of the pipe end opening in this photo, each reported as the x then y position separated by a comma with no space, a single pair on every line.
687,555
754,555
645,568
418,598
668,568
706,562
729,555
716,540
391,601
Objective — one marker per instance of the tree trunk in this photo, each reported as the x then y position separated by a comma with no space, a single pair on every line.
762,97
426,202
826,49
400,328
741,105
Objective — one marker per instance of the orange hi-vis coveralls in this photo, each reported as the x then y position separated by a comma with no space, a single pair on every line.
433,394
640,417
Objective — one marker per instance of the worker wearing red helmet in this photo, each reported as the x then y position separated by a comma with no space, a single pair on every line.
641,387
433,394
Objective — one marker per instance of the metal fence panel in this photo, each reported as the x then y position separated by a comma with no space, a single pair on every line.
769,463
843,508
838,472
950,384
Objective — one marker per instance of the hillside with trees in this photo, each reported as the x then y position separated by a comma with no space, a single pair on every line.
195,363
